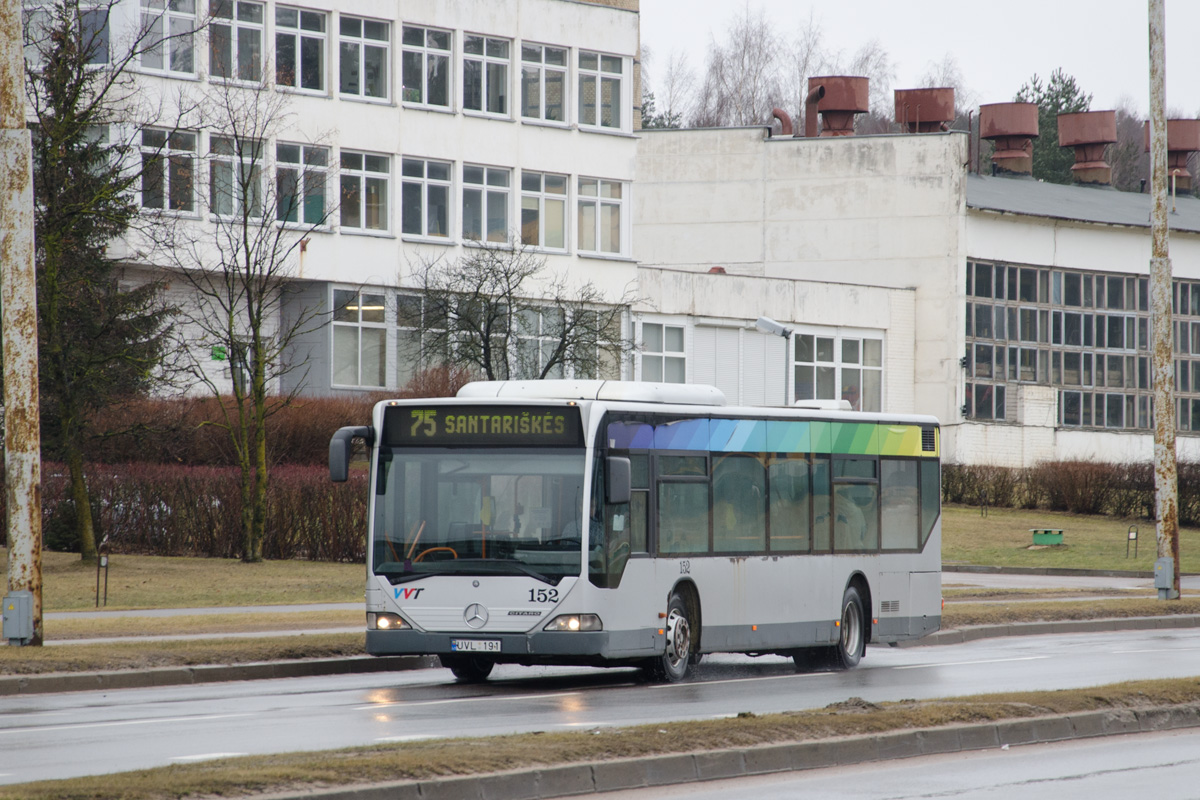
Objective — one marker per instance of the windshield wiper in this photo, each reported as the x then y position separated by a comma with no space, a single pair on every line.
497,565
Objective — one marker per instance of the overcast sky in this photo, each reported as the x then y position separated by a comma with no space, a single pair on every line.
998,45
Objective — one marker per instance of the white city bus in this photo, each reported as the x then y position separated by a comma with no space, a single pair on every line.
616,523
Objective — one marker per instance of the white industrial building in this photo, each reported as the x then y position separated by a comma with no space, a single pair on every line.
911,283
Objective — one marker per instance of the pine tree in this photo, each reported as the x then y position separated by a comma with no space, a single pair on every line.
1061,95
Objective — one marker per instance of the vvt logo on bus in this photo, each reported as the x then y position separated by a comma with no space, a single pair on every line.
409,594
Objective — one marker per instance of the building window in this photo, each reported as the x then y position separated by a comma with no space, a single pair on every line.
235,40
538,332
363,54
1069,330
365,191
485,203
168,180
300,49
840,367
418,328
425,198
425,66
300,183
485,74
170,28
600,92
359,339
663,359
93,32
544,210
600,205
543,83
235,177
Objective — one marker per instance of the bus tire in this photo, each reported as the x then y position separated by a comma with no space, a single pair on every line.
673,665
468,669
852,641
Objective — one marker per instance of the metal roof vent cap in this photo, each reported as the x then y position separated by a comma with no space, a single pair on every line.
844,96
1012,127
1183,139
924,110
1090,133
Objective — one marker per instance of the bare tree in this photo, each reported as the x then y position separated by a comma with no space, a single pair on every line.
671,98
1128,157
240,269
742,76
495,312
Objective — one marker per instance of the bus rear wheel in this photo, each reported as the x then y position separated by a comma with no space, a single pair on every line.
468,669
673,665
853,639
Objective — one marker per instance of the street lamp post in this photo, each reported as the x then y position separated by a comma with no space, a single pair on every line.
773,328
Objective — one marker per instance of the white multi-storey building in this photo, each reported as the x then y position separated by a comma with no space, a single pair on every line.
409,132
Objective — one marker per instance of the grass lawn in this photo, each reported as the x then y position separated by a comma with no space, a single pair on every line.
1002,539
157,582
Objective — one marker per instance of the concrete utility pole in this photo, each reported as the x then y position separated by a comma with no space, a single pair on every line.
18,308
1165,471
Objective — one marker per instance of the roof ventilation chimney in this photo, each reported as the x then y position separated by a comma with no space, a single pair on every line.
1183,139
1089,132
842,97
924,110
1012,126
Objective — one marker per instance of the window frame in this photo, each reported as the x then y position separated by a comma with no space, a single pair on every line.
364,176
488,196
424,184
486,62
171,156
837,339
359,324
361,43
541,196
167,16
303,169
598,76
299,34
236,26
540,69
598,203
663,354
427,51
236,161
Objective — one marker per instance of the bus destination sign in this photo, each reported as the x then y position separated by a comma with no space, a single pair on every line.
482,426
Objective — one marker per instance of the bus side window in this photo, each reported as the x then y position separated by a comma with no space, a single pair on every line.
931,497
899,495
820,500
789,504
639,503
739,504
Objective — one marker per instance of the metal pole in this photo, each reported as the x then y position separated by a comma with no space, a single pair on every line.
18,309
1165,471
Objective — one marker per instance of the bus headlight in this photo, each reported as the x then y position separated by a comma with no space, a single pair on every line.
385,622
575,622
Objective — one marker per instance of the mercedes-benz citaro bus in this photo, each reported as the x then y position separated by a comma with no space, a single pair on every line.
613,523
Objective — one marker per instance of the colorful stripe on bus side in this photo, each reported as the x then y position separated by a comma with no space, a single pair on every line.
776,436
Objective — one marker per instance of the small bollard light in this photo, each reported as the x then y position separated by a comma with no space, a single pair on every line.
102,561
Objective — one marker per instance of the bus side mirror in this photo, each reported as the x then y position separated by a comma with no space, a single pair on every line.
618,479
339,450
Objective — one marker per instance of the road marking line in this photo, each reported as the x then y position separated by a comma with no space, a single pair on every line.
85,725
972,663
412,737
453,700
205,757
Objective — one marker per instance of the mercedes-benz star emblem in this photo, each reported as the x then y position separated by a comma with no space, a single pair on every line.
476,616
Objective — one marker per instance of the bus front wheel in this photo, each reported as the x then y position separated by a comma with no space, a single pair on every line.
853,629
468,669
673,664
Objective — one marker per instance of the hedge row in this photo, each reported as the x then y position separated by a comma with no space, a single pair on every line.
1081,487
154,509
189,431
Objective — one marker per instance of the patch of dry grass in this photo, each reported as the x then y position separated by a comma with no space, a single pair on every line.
958,615
242,777
60,629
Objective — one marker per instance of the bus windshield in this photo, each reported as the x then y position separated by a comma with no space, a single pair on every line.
508,511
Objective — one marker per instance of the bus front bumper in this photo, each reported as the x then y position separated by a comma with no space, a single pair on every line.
540,646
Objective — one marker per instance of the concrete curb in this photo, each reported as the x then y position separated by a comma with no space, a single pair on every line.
633,773
172,676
